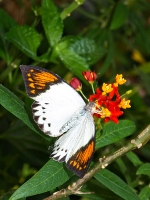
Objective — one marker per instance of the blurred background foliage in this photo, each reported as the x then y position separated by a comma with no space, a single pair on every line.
122,31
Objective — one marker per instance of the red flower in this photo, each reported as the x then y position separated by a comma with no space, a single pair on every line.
109,101
89,76
76,84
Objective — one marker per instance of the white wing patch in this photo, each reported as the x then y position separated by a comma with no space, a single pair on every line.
53,108
80,134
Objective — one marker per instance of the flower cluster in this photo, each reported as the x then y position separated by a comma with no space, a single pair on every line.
107,97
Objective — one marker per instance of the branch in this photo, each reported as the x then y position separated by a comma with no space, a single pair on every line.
138,142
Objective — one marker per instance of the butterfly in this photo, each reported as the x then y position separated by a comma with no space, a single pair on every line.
60,111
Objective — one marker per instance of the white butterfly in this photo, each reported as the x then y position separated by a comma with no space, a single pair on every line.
60,111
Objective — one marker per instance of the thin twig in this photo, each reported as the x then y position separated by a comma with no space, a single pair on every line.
138,142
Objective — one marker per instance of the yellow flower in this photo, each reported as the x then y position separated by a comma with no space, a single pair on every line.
119,79
106,88
124,103
105,113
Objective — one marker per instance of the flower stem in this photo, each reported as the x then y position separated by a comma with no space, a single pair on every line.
67,11
83,95
93,88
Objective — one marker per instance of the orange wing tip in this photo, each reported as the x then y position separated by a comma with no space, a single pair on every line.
81,160
37,79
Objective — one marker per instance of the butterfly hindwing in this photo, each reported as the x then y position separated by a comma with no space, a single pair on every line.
81,160
76,147
55,100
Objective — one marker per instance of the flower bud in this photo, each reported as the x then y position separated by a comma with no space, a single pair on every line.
76,84
89,76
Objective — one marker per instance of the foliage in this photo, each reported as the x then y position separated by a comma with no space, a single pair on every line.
107,36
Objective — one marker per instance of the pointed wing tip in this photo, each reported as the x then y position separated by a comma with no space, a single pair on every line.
22,67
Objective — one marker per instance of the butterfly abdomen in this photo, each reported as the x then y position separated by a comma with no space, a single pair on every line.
73,120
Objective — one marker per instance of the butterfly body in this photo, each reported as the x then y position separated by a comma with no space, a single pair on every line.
60,111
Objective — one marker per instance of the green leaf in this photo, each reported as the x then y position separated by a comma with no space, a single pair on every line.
7,195
144,169
98,191
14,105
86,48
27,143
114,132
70,59
142,36
50,176
120,15
6,22
25,38
116,184
145,193
51,21
134,159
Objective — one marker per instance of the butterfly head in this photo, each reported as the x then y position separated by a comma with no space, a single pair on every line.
94,107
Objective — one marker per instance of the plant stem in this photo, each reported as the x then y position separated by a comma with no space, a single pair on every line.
67,11
138,142
83,95
93,89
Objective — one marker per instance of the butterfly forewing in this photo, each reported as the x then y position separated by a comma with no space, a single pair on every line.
55,101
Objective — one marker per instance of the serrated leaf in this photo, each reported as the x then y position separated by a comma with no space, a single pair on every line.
50,176
120,15
74,63
24,38
116,184
114,132
86,48
144,169
145,193
134,158
14,105
51,21
70,59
